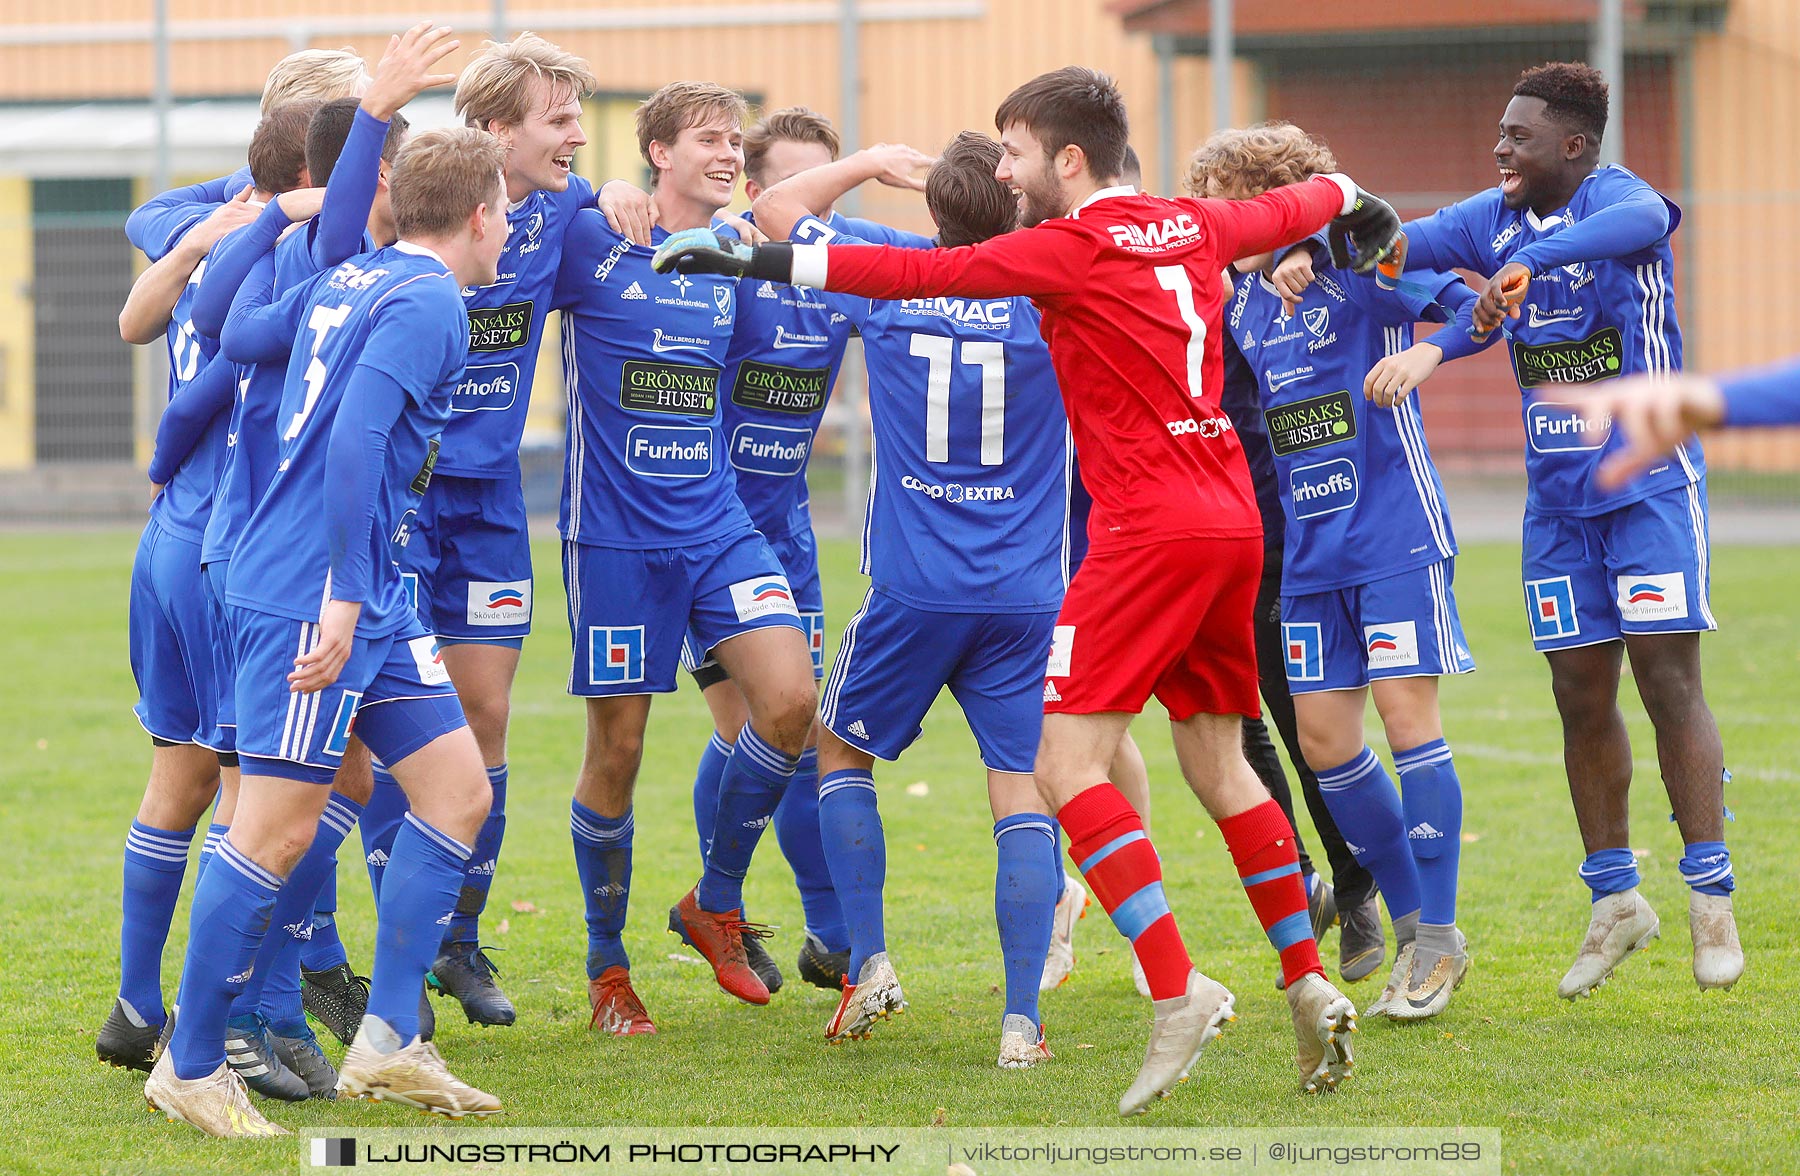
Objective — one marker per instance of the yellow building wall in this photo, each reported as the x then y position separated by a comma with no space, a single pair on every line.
18,384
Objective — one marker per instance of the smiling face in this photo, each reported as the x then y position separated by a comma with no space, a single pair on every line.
542,147
1031,173
701,167
1540,161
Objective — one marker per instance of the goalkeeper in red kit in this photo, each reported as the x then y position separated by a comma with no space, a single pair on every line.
1130,290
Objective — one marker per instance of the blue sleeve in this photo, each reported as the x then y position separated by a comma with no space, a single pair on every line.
188,414
582,192
157,224
260,331
1413,300
349,193
1441,241
418,335
1763,396
876,233
810,229
581,245
355,456
230,265
1638,219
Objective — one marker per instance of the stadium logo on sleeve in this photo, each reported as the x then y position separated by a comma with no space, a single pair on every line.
1324,488
666,451
1303,648
1308,424
763,596
505,602
1391,645
615,655
800,391
770,449
1658,597
1552,607
430,660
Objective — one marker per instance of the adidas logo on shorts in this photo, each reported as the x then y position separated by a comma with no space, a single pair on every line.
857,729
242,977
1050,694
1424,831
445,921
378,858
634,293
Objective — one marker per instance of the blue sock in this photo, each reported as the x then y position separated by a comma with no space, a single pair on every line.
209,845
426,868
856,851
749,791
155,862
797,830
1025,885
1610,871
465,924
274,986
381,824
324,950
231,913
1706,866
1431,798
603,861
1367,810
706,789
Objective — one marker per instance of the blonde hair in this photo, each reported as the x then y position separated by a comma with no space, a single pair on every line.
791,124
496,84
1240,163
313,75
680,105
440,178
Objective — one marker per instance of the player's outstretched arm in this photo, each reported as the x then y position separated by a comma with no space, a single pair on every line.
259,330
186,417
814,191
240,254
156,225
152,300
1652,415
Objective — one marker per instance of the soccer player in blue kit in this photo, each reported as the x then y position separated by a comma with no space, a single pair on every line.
1583,287
383,338
657,548
967,546
786,347
1366,600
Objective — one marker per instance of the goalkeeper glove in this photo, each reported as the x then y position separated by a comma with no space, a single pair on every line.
1501,300
702,251
1367,234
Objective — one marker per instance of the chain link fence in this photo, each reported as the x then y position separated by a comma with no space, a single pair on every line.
102,106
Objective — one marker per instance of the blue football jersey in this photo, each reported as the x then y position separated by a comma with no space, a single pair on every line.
972,462
506,327
643,353
1360,497
397,311
185,504
1582,322
785,352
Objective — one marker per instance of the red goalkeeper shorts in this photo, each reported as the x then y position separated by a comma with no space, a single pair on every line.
1173,619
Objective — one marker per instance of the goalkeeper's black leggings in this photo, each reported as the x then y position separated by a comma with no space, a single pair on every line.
1352,883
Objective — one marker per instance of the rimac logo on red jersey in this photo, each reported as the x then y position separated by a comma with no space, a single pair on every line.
1157,235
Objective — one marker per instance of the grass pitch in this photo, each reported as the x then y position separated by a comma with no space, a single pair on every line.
1649,1076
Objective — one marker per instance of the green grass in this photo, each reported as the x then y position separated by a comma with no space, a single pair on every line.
1650,1076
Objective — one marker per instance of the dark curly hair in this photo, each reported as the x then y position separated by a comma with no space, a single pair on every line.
1574,94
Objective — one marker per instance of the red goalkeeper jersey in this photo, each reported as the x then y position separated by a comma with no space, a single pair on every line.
1132,299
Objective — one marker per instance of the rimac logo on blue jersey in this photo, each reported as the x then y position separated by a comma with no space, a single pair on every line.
615,655
1552,607
1305,662
669,451
1323,488
770,449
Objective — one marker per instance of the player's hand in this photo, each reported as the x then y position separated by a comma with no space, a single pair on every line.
897,165
1394,376
233,214
1654,414
1292,275
156,489
702,251
749,233
629,210
319,668
1367,234
1500,300
301,203
404,71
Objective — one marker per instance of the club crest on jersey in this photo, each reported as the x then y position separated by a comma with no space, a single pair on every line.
1551,604
1316,318
534,224
615,655
1658,597
1165,234
1302,645
430,660
1391,645
505,602
763,596
722,300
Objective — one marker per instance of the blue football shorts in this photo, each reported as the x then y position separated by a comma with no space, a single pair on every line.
467,561
1403,626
